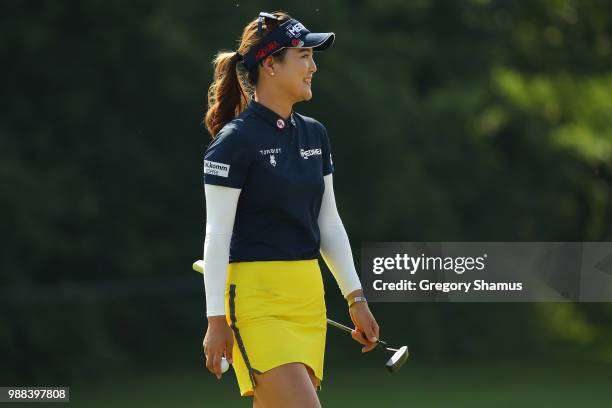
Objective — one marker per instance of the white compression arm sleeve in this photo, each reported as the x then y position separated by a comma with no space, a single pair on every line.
335,247
221,203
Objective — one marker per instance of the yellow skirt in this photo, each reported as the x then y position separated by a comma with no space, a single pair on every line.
277,313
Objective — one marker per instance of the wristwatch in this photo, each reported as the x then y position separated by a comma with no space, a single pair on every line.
356,299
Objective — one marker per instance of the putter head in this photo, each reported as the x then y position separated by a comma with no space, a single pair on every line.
398,359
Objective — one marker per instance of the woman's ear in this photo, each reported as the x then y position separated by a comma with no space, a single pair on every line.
268,65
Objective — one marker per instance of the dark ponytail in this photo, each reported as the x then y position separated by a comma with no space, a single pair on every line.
226,97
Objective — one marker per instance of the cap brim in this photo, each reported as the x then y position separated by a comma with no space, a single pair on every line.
318,41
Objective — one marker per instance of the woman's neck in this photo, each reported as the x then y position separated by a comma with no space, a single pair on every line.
275,103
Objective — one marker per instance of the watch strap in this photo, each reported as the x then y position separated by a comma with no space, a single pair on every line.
356,299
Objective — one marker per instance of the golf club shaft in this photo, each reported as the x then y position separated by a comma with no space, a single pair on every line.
340,326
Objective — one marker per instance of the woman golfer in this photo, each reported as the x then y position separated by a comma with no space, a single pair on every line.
270,209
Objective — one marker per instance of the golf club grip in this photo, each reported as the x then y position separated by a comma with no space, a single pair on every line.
379,342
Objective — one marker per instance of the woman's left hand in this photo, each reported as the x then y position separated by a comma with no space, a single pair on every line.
364,324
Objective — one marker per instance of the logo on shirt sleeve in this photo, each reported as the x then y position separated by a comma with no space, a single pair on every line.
216,168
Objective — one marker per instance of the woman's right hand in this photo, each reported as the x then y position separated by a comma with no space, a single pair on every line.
218,342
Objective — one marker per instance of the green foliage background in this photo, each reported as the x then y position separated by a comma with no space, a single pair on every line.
449,121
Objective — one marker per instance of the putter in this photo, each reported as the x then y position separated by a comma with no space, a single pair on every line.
396,361
398,358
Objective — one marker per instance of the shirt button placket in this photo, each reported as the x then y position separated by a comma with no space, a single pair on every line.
292,129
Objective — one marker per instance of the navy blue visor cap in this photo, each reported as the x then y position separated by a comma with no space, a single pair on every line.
289,34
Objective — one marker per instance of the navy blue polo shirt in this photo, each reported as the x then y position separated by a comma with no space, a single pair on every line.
279,165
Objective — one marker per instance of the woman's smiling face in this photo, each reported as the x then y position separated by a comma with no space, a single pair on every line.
294,74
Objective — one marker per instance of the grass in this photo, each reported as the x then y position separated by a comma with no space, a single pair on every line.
510,384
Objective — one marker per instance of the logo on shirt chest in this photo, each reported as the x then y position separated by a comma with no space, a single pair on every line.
307,153
271,153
